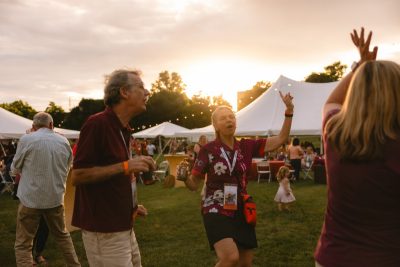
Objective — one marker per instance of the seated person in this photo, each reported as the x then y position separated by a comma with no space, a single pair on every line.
308,157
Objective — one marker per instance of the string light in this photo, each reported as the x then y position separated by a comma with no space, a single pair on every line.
176,119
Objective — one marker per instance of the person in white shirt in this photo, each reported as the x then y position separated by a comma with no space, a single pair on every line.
43,159
151,149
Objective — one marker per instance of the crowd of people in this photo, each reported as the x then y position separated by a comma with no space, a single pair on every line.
361,130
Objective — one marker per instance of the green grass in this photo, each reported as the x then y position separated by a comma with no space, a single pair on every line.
173,234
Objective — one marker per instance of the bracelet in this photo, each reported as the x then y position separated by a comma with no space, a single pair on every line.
125,166
287,115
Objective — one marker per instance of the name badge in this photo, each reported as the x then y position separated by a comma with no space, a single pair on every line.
230,196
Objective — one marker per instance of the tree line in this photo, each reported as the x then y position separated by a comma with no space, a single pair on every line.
168,102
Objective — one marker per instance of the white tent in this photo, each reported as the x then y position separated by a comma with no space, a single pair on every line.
265,115
14,126
166,129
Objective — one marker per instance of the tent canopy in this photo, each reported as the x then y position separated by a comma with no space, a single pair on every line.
265,115
13,126
166,129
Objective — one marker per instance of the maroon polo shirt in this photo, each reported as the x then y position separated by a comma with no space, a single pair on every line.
211,161
103,206
362,218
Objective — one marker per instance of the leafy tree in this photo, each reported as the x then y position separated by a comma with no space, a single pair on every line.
78,115
169,82
57,112
169,102
220,101
333,72
246,97
20,108
162,106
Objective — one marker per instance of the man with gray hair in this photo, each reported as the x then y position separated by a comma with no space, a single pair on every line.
43,158
105,197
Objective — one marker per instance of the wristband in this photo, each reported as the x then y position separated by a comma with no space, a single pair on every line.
125,166
287,115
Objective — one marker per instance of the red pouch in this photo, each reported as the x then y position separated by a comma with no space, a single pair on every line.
249,210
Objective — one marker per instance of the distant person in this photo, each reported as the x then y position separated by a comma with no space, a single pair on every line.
173,146
151,149
284,197
43,158
202,142
361,119
295,155
226,161
308,157
106,199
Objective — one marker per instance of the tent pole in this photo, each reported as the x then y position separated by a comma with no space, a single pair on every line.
159,143
2,148
162,151
321,147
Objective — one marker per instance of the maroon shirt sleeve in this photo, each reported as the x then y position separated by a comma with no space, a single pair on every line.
87,152
260,148
201,163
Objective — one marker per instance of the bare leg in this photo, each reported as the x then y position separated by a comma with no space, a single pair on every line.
246,257
227,253
280,206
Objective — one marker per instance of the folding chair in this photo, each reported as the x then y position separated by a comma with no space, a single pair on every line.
8,184
274,166
306,169
162,171
263,168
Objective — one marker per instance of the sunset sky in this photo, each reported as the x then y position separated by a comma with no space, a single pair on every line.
60,50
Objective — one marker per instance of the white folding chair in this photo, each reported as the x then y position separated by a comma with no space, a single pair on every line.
306,169
8,185
162,171
263,168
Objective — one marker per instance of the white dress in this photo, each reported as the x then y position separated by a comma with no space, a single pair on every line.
281,195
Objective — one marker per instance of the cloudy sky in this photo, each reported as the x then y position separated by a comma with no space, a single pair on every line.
60,50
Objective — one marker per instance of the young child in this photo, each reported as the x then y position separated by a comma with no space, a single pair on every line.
284,196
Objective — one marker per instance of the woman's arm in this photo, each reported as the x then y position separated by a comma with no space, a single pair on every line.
275,142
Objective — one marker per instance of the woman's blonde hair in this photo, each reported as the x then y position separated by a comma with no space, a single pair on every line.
214,116
370,114
282,172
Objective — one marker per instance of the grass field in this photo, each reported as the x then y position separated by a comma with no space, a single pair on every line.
173,234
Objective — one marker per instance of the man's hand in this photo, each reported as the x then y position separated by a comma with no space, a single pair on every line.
363,46
141,211
141,164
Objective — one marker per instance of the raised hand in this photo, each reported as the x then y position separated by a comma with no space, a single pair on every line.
363,45
287,100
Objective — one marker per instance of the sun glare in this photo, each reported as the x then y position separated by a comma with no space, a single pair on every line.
224,77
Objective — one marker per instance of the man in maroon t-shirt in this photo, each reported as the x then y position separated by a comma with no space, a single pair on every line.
105,198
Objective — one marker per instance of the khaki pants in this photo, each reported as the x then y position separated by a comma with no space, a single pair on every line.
27,224
112,249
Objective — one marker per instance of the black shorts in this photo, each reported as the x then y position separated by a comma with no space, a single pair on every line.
220,226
